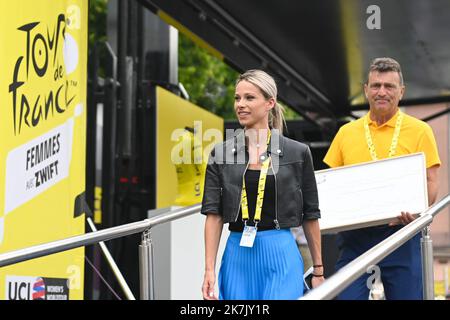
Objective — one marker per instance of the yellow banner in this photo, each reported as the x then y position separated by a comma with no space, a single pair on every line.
43,61
186,134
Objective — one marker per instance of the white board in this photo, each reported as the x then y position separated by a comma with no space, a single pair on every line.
371,193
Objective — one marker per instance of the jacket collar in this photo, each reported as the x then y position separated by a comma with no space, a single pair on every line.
276,145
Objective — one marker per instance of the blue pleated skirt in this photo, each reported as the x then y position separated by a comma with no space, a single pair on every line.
271,270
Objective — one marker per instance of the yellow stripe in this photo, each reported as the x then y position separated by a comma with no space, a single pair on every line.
353,55
261,188
98,205
199,41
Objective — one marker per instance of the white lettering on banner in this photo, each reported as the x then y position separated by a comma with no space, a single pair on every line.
38,165
58,297
55,289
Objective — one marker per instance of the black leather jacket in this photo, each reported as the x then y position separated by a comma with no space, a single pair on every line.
295,184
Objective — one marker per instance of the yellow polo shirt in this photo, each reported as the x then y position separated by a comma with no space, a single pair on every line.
349,146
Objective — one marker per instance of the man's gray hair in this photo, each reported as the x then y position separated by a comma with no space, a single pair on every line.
386,65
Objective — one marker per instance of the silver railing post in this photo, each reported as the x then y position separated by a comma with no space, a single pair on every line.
427,264
146,267
122,282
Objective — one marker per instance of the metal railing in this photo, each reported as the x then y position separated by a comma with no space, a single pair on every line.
334,285
112,264
145,250
328,290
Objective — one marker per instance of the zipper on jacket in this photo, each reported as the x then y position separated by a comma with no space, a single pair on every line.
277,224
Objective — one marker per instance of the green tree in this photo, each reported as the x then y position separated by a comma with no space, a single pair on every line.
97,14
290,114
97,21
209,81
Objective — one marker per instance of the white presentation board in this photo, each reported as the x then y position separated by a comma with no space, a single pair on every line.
371,193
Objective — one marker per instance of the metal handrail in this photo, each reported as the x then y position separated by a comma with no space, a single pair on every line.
40,250
112,264
352,271
328,290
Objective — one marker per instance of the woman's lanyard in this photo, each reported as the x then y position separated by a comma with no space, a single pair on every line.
395,137
249,233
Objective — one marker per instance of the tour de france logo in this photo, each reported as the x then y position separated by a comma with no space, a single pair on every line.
45,98
42,86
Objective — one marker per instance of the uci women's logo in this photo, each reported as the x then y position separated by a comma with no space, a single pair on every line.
39,87
25,288
36,288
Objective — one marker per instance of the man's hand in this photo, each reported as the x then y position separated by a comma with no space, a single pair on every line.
404,219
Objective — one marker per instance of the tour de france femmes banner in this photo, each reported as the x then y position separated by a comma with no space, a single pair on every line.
185,135
43,63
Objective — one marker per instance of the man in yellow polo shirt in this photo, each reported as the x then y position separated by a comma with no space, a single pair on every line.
385,132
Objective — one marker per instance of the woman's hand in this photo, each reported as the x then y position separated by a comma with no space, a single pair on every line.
208,286
317,281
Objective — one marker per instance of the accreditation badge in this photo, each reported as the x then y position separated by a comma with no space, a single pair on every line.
248,236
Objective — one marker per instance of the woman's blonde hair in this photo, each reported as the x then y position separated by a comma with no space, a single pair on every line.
268,87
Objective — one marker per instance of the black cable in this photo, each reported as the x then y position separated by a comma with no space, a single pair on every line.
101,277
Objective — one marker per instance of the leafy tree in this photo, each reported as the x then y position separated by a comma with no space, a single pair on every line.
97,21
97,29
209,81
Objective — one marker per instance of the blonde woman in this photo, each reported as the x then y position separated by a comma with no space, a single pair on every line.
262,184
